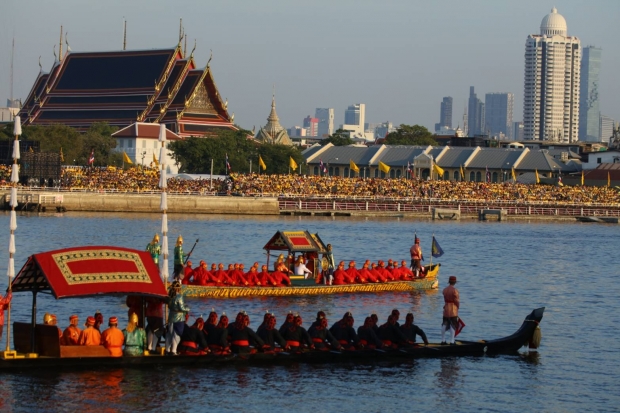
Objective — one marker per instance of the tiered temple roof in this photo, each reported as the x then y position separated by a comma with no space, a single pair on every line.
123,87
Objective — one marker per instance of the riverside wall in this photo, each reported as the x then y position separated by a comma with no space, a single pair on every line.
123,202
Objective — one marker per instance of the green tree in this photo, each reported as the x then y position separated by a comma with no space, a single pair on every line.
410,135
338,138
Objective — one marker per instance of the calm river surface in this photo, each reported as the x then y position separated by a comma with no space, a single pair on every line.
504,270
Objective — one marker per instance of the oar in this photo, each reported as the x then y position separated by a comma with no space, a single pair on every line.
190,251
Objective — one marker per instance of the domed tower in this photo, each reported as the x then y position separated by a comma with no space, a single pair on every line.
551,87
273,132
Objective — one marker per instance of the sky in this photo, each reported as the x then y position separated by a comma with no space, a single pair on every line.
398,57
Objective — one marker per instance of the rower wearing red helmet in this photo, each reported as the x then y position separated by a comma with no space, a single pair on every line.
405,272
344,332
296,336
340,275
242,336
252,276
450,311
270,335
321,337
200,275
221,277
72,333
385,274
264,278
352,273
193,340
218,341
288,321
188,273
90,336
374,270
280,278
416,257
366,275
112,338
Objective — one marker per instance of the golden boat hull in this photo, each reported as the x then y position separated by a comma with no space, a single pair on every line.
427,283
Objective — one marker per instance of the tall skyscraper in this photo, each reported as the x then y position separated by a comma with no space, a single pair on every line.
326,122
606,128
445,114
589,110
517,131
311,124
551,98
498,108
355,115
475,119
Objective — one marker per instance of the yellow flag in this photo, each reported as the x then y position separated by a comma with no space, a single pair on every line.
126,158
155,161
537,178
582,180
384,168
514,175
608,179
292,163
462,173
439,170
353,166
261,163
62,157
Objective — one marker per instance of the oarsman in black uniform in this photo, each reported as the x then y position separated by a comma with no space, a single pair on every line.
289,321
410,330
345,333
367,336
396,316
319,316
242,336
193,340
390,334
270,334
211,324
296,336
375,323
218,339
322,338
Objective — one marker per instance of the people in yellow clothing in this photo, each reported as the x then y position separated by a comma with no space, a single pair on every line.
90,336
72,333
50,320
113,338
135,338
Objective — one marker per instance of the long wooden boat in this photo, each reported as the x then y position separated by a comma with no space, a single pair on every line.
506,345
429,282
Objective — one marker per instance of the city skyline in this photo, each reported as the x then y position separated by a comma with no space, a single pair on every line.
245,39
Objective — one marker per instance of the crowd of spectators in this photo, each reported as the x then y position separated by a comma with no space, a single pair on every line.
146,179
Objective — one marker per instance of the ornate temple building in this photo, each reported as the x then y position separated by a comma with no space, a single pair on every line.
128,86
273,132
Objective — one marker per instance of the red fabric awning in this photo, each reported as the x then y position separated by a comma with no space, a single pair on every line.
295,241
86,271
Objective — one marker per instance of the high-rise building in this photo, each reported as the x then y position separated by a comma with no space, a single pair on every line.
475,118
589,111
606,127
498,108
355,115
517,131
312,125
326,122
445,114
551,86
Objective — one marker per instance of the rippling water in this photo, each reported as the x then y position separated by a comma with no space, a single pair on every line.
505,270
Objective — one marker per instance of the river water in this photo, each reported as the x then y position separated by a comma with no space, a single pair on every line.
505,269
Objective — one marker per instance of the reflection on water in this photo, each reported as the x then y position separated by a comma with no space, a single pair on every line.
504,269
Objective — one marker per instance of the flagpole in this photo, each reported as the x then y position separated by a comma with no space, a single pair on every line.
211,176
432,250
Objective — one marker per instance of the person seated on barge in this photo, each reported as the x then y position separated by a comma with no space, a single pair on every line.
220,276
288,321
218,337
405,272
319,316
270,335
396,314
344,332
89,336
280,278
242,336
375,323
321,337
201,275
365,274
193,340
340,275
252,276
135,337
351,274
297,338
410,330
390,334
188,273
98,320
300,267
112,338
367,336
50,320
264,278
72,333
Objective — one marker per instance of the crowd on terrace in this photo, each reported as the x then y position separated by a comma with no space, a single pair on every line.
145,179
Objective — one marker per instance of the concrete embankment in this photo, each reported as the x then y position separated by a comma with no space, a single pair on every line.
106,202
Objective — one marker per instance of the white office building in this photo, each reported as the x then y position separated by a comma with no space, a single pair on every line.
551,89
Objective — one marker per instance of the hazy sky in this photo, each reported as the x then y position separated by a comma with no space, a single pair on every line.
398,57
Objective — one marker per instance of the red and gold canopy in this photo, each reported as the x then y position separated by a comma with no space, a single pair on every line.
86,271
295,241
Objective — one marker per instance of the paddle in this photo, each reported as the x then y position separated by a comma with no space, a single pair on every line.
190,251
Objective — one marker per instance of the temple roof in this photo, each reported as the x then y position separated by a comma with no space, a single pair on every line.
273,132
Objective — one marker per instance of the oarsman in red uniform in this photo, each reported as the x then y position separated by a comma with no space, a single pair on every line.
252,277
280,278
365,276
112,338
396,271
72,333
188,273
390,267
384,273
296,336
155,323
221,277
416,257
90,336
200,275
450,311
340,275
352,273
264,278
405,272
237,276
378,275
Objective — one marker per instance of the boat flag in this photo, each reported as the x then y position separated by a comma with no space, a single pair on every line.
126,158
462,173
582,180
384,168
460,326
439,170
292,163
353,166
514,175
537,178
91,160
436,250
261,163
322,166
488,175
227,164
155,161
